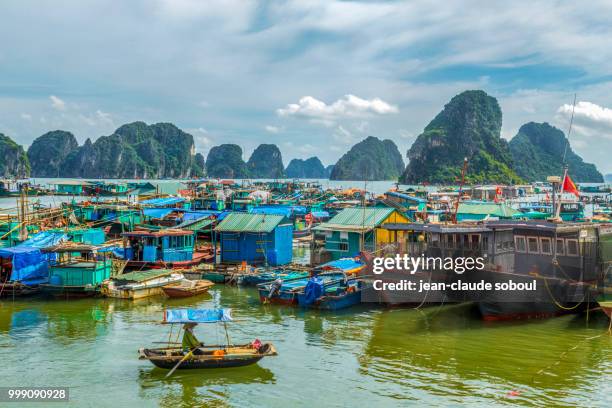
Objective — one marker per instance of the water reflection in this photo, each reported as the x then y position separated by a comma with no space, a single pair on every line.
412,349
199,387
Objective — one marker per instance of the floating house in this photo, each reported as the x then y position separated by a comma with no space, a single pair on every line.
256,239
78,270
169,248
71,187
355,229
476,211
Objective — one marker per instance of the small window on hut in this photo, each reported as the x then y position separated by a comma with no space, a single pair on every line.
532,245
560,246
546,246
343,246
571,247
519,243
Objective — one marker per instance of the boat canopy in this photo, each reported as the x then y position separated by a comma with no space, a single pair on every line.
29,264
197,315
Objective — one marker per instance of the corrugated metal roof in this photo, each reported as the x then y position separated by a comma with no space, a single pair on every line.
356,219
195,225
243,222
497,210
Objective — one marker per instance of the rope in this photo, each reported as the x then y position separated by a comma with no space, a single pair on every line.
559,305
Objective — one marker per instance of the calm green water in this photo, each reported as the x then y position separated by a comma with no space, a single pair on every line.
437,356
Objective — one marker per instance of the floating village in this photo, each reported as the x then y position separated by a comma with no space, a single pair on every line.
127,240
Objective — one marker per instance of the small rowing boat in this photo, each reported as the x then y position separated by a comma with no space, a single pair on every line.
218,356
187,288
194,354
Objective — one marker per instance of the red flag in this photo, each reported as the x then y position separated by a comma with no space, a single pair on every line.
569,186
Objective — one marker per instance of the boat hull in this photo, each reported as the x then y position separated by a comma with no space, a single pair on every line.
233,356
69,292
183,292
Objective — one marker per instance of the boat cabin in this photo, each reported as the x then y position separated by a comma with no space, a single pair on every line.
77,267
169,245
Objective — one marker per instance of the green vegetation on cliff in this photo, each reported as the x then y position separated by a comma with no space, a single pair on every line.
370,159
13,159
309,168
135,150
48,153
468,126
538,150
225,161
266,162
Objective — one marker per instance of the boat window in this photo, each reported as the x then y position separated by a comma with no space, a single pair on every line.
519,243
560,246
343,246
545,246
571,247
532,245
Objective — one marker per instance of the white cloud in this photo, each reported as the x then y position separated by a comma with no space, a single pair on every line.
590,119
272,129
57,103
26,116
350,106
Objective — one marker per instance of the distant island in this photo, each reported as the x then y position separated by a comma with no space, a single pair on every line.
469,126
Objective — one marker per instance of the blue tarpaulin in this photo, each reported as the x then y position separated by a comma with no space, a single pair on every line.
29,264
156,212
314,289
162,202
320,214
196,215
406,197
44,239
346,264
197,315
285,210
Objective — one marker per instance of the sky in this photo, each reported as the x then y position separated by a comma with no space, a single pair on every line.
314,77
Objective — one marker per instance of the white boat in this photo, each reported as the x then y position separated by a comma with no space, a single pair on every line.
141,284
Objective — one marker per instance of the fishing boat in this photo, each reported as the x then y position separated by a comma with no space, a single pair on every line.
78,271
187,288
204,356
334,295
286,292
140,284
263,275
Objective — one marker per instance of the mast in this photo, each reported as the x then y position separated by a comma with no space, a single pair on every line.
565,167
463,171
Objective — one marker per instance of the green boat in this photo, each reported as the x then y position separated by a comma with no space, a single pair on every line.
78,270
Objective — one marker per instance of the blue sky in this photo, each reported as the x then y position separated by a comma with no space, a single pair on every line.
313,77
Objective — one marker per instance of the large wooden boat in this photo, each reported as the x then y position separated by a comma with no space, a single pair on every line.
187,288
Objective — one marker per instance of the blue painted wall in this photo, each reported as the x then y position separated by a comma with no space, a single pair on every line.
257,248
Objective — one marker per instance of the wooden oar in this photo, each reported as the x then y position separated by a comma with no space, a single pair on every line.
180,362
